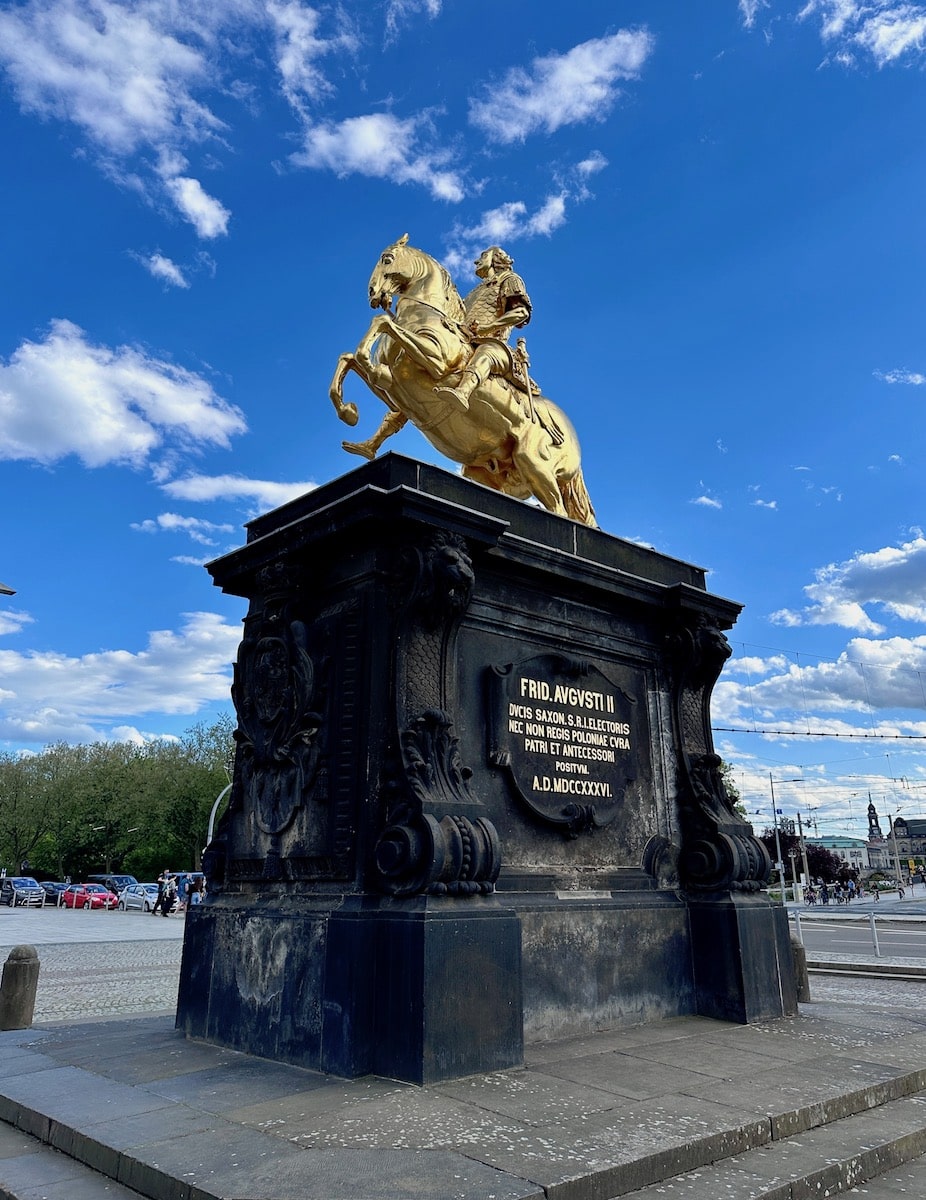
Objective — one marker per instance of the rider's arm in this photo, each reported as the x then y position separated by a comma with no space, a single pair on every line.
518,316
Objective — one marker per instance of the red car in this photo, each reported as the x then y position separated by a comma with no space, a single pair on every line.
88,895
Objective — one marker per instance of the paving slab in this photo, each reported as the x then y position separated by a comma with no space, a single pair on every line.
587,1118
902,1183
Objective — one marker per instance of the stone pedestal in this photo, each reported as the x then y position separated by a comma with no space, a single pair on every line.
475,795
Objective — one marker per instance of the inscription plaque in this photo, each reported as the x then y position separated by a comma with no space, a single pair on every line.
568,735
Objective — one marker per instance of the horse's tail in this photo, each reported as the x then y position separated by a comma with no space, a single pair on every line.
577,500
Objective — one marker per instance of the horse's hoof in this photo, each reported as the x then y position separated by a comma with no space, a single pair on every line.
360,448
349,414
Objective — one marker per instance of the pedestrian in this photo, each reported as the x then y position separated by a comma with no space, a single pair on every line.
170,895
196,890
825,894
162,885
183,884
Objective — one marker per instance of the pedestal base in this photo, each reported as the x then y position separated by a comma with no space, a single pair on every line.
742,958
421,990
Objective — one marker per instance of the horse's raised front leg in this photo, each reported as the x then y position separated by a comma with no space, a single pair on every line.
431,347
377,377
346,412
391,423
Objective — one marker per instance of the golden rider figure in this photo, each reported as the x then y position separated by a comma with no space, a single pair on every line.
495,306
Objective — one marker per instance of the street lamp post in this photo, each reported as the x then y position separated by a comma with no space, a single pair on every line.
897,871
800,834
792,854
780,866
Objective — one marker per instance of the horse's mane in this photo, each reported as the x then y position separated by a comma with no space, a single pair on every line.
455,309
454,305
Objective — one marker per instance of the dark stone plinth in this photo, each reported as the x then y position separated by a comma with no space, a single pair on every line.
419,990
744,968
474,786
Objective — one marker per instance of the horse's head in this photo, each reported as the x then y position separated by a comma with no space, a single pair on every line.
392,273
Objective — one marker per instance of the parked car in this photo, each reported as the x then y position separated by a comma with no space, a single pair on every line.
113,883
52,891
23,890
88,895
138,895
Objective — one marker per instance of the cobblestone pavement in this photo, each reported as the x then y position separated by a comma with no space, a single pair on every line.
40,926
863,993
98,964
107,978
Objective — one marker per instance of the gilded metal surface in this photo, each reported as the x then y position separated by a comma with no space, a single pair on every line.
445,365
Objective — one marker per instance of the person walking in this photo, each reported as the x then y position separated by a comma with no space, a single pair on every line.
170,895
162,884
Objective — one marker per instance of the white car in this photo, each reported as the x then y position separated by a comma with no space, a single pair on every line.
138,895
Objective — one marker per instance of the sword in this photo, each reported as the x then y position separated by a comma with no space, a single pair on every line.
522,368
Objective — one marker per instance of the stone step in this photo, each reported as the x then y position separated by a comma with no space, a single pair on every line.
902,1183
29,1169
830,1160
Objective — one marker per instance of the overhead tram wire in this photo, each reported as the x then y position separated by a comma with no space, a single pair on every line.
846,737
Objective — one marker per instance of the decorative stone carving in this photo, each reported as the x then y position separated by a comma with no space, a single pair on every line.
427,843
718,852
276,693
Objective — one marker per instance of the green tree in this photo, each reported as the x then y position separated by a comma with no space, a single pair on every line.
822,863
191,774
113,806
24,809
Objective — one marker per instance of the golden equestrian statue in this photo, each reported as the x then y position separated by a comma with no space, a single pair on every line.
448,369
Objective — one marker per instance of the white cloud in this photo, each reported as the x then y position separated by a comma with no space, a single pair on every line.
207,216
869,677
126,76
913,377
706,502
887,30
893,579
750,10
51,696
236,487
513,220
165,269
116,71
595,162
65,395
132,78
382,146
13,620
195,527
400,11
298,47
773,504
561,89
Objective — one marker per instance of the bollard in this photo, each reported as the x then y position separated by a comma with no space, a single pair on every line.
18,987
799,954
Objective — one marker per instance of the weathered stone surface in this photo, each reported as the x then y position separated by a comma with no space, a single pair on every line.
18,984
475,797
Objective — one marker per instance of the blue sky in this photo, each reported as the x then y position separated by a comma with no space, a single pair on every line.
718,210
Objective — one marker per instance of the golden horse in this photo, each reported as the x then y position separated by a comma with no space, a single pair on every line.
514,442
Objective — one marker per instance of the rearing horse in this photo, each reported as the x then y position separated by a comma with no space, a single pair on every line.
515,443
